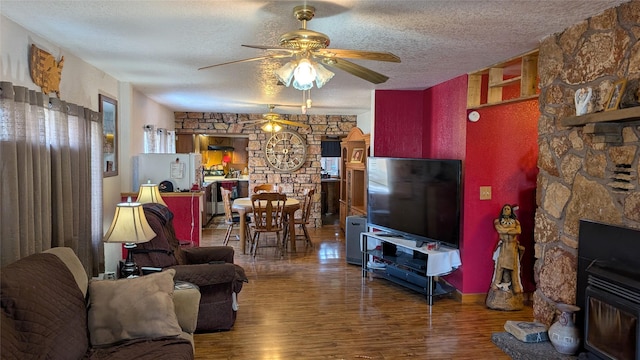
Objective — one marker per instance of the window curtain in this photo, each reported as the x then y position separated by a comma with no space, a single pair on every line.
50,166
160,141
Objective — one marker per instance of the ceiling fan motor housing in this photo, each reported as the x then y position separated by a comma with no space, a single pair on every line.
303,39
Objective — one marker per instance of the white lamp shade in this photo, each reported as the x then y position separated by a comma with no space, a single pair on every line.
271,127
322,76
149,193
303,72
285,73
304,75
129,225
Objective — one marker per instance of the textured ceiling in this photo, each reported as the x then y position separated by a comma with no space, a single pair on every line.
157,46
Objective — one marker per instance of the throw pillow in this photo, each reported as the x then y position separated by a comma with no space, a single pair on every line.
132,308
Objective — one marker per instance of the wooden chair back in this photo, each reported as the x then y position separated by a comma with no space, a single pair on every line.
271,188
268,211
226,201
307,201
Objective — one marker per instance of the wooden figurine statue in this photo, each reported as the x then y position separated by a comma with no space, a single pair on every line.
506,287
45,71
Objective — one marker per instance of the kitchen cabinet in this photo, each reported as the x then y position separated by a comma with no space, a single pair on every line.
240,151
186,208
221,142
185,143
243,188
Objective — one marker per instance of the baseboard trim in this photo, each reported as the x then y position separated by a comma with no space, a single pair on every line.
481,298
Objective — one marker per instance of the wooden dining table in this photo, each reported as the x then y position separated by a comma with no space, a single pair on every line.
244,206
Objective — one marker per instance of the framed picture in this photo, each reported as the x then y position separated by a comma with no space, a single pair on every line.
357,155
109,111
613,100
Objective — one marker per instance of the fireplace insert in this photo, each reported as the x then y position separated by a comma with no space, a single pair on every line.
608,290
612,312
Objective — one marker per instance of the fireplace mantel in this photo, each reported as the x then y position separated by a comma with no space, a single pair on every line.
628,114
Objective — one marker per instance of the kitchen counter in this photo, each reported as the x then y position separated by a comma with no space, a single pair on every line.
216,182
210,179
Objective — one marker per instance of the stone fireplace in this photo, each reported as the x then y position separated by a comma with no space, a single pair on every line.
585,172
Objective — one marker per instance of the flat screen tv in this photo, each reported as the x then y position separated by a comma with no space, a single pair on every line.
418,199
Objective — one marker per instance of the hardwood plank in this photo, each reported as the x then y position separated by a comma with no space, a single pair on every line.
313,305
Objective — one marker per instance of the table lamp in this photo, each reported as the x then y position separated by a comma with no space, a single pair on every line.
130,227
149,193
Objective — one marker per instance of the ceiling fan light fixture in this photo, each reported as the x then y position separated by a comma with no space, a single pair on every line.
271,127
304,74
285,73
322,75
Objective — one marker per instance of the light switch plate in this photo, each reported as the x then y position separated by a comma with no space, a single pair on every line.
485,192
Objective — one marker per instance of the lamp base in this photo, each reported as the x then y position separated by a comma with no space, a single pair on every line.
129,267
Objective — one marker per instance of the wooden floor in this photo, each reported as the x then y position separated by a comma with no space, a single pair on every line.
313,305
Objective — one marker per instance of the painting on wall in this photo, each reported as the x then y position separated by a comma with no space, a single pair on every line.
613,101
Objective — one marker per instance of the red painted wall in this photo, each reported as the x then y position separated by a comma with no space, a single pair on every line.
445,114
401,134
500,151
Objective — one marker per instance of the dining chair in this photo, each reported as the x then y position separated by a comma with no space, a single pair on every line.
303,220
231,219
267,188
268,217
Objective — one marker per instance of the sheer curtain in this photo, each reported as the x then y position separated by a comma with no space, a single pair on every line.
50,166
160,141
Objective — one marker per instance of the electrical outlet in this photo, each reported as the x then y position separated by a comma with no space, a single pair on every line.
109,275
485,192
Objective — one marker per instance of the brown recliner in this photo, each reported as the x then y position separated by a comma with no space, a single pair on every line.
210,268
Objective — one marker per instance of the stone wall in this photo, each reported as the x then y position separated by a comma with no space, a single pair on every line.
585,173
308,176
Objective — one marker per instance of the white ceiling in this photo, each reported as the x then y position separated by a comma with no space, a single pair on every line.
157,46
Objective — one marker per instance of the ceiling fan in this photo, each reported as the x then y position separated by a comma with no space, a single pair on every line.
304,44
271,121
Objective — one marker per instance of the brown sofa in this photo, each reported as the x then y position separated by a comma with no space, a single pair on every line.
51,311
210,268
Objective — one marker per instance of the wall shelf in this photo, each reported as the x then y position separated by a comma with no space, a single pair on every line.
628,114
521,70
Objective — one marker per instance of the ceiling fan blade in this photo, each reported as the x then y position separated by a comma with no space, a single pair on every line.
357,70
357,54
252,121
292,123
247,125
272,56
271,48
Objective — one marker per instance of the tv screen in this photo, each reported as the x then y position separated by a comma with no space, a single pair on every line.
418,199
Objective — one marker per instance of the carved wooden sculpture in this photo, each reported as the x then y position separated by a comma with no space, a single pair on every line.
506,288
45,71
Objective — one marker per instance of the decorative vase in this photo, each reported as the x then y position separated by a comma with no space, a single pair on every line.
564,335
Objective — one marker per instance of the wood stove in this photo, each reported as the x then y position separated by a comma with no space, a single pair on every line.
608,290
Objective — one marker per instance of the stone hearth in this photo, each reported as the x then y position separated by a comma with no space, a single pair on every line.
519,350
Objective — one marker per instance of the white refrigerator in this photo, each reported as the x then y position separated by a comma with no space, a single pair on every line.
181,170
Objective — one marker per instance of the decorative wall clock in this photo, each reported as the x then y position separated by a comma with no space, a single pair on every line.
286,151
